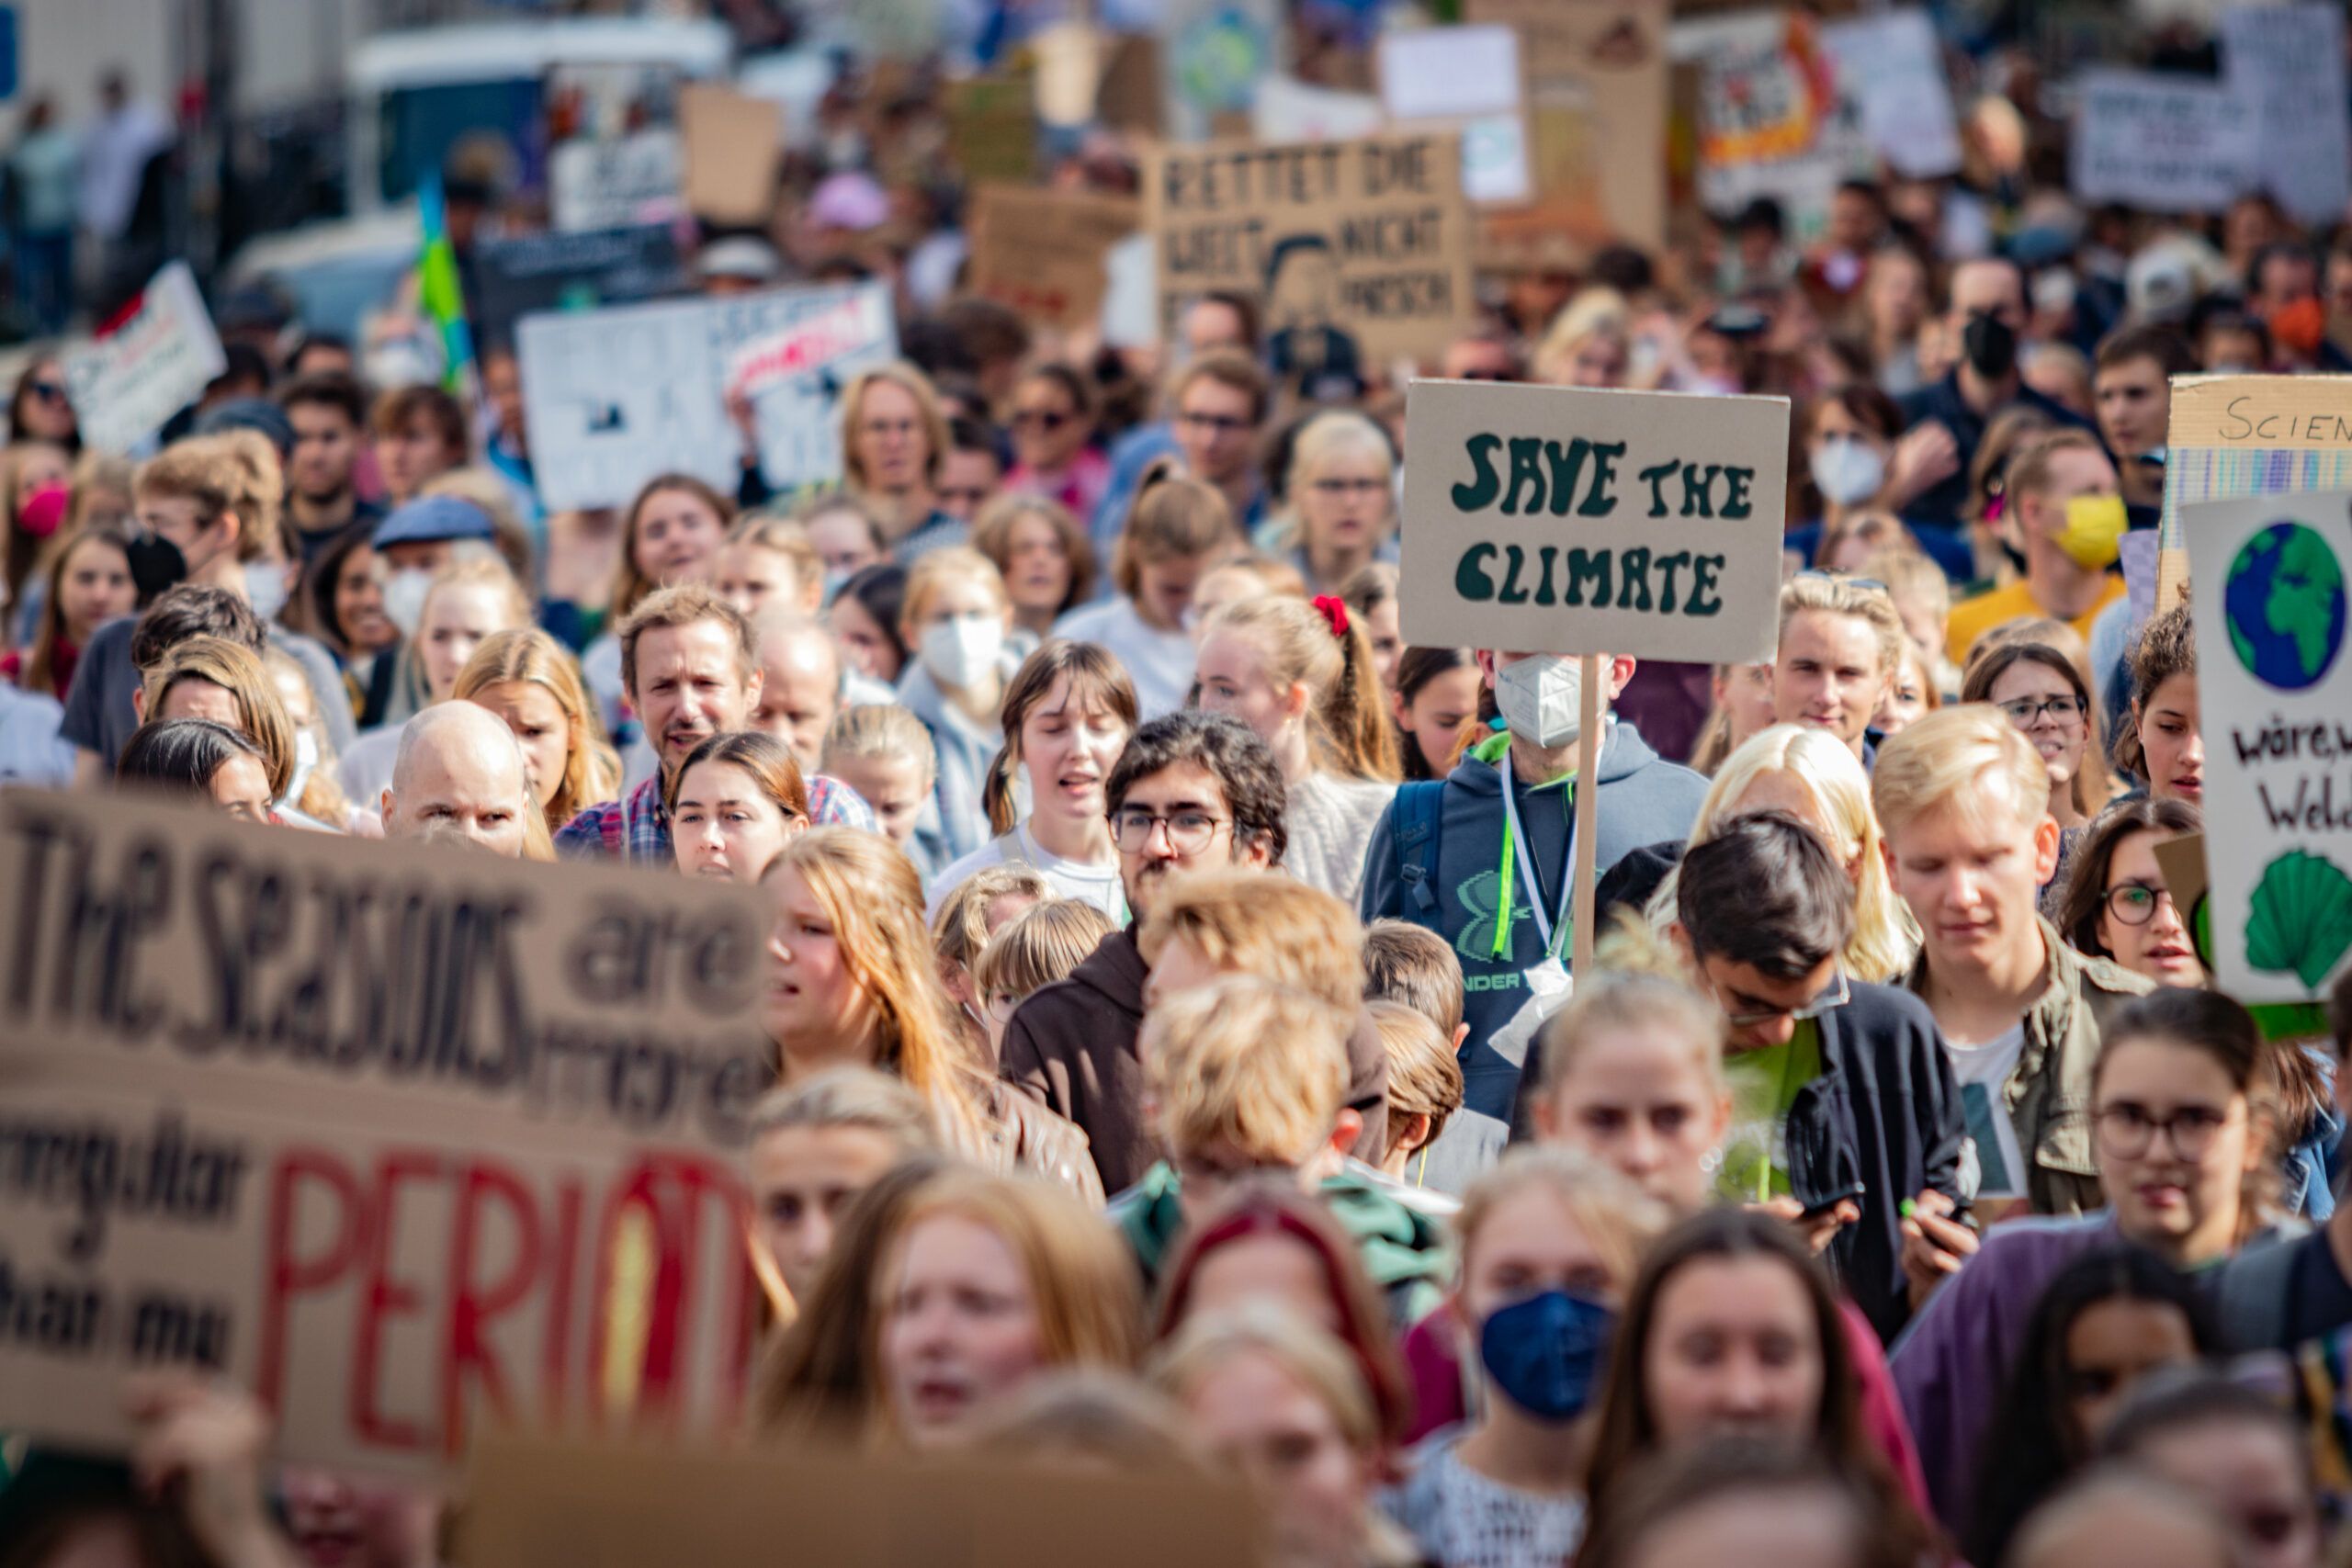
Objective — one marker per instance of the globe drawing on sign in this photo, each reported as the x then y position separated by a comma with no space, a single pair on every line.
2284,603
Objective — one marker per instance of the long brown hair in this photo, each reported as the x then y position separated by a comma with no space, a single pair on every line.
767,760
40,659
2085,893
629,585
2091,781
1096,677
1328,650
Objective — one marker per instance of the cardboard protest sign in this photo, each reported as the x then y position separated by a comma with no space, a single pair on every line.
1771,118
614,396
733,142
1551,519
992,129
382,1131
2232,436
151,360
594,184
1466,80
1359,251
2288,62
1892,67
2167,143
524,274
1128,97
1042,252
557,1506
2277,696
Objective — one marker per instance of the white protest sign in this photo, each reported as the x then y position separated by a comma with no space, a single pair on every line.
1552,519
614,396
1769,117
152,360
615,184
834,334
2288,60
2167,143
2276,691
1892,67
1288,109
1466,80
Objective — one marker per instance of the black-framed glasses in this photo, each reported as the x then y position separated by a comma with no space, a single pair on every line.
2134,903
1189,831
1223,424
1838,994
47,392
2127,1131
1048,419
2026,711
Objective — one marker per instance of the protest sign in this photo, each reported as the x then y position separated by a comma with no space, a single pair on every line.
1770,118
378,1131
1466,80
151,360
1213,55
1358,249
2232,436
520,275
1128,97
538,1505
1891,67
1288,109
992,129
1042,252
2287,62
2166,144
2277,696
599,183
732,144
614,396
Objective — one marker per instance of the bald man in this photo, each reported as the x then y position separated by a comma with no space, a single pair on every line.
800,686
460,772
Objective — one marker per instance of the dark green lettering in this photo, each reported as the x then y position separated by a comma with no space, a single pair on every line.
1634,579
1567,462
1735,497
1583,565
1657,477
1703,586
1666,567
1512,594
1544,555
1599,501
1480,493
1526,468
1470,579
1698,490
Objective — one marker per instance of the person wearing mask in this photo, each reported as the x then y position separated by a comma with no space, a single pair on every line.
1985,314
673,533
1436,692
883,754
2062,505
418,433
811,1149
1069,712
1043,557
460,773
894,438
1862,462
1433,858
416,540
1963,800
466,602
1841,641
1180,529
1302,676
1190,790
328,414
1342,495
212,761
2115,903
955,617
2131,391
2162,742
1053,410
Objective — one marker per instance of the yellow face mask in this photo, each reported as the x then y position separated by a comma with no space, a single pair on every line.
2094,531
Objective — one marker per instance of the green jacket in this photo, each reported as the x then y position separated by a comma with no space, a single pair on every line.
2049,1093
1408,1255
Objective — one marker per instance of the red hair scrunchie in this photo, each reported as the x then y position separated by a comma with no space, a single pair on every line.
1334,611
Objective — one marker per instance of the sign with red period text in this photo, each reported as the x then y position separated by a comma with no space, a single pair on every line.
155,358
1042,252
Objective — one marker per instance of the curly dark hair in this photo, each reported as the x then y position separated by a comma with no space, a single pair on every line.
1221,745
2168,647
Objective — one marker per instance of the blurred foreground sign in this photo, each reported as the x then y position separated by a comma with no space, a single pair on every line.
1042,252
382,1131
152,360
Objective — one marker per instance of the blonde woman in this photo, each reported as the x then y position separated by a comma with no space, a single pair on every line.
1342,495
883,752
529,680
313,796
955,617
1590,343
469,600
770,562
1302,676
1177,530
1812,777
853,983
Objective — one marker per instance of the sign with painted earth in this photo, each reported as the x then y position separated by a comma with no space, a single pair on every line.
2284,603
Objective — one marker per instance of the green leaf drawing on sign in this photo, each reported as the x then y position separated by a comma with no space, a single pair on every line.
2301,921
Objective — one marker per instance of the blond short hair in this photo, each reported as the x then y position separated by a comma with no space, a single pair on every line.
1245,1065
881,730
1424,1075
1263,922
1617,1217
1845,596
684,605
1040,945
1949,757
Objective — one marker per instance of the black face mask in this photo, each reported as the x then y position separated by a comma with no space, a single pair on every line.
155,564
1991,346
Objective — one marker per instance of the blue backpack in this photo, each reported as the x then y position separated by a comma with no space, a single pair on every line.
1414,820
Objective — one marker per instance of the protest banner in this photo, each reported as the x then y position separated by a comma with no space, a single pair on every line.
1770,117
151,359
1466,80
2165,143
521,274
2277,696
1288,109
614,396
733,143
2287,62
541,1505
1042,252
1559,520
1891,66
992,129
1360,247
380,1131
2232,436
611,183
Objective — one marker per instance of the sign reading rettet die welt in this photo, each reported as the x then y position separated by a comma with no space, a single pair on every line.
1559,520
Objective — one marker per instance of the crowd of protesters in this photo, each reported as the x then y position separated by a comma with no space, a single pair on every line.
1176,1058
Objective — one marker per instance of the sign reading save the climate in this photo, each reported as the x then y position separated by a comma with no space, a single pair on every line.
1558,520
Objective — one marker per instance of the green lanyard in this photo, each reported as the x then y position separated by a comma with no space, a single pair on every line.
1556,938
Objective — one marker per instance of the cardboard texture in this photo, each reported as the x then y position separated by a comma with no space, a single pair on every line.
396,1137
152,360
2232,436
1550,519
1042,252
992,129
1131,92
733,142
1358,251
2276,691
545,1506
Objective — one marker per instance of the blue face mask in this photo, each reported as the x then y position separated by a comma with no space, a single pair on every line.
1547,1353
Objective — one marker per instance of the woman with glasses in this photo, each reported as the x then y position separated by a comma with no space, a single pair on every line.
894,439
39,408
2116,905
1053,440
1342,511
2047,697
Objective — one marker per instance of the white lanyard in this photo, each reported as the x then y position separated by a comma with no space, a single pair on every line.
1544,925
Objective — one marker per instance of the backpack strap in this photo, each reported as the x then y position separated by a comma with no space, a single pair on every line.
1416,817
2253,1298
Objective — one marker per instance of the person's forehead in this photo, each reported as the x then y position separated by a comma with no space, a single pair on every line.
1809,630
2138,371
1207,393
1179,784
1985,282
695,640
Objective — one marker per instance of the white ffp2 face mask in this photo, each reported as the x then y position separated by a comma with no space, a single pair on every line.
1540,697
404,595
960,651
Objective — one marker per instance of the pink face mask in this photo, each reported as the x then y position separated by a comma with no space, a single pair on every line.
43,510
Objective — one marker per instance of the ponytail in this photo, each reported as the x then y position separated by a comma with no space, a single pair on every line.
996,790
1321,647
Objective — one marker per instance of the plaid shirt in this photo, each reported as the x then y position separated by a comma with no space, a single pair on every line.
638,829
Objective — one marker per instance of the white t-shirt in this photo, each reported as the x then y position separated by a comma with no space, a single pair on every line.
1983,1072
1095,885
1159,663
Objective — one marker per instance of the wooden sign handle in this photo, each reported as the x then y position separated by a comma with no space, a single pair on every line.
1588,810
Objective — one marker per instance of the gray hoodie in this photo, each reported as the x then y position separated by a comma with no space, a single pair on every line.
1642,800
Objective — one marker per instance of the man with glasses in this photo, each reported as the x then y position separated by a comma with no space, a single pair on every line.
2064,511
1191,789
972,471
1219,409
1844,1111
